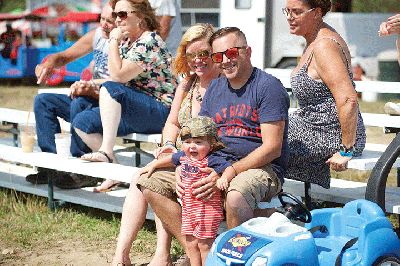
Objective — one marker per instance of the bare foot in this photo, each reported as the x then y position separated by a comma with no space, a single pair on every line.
106,186
121,262
161,261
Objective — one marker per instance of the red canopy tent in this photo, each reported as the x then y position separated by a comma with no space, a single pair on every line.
80,17
25,15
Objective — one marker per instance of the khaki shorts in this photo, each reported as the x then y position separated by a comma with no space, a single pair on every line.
162,181
256,185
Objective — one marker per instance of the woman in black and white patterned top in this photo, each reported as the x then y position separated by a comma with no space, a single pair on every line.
327,130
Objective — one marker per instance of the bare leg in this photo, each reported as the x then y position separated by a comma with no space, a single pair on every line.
193,251
204,245
169,213
237,209
164,238
93,141
133,217
110,112
264,212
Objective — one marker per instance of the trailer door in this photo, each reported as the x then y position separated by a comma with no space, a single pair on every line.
249,16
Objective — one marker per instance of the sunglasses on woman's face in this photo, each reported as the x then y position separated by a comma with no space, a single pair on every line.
202,55
230,53
121,14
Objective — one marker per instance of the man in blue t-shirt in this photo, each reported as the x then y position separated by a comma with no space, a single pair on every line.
252,123
250,108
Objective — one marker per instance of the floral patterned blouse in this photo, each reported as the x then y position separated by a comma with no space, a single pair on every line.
149,52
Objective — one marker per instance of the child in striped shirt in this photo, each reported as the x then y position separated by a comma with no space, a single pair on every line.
200,218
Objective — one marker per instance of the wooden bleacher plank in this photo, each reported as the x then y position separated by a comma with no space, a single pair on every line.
343,191
13,177
16,116
48,160
369,157
154,138
381,120
55,90
74,165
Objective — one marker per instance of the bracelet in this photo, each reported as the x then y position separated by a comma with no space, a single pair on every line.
234,169
169,143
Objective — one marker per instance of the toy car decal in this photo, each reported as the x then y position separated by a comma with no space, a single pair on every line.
239,242
239,245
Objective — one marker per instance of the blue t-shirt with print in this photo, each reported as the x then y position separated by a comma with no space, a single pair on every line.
239,113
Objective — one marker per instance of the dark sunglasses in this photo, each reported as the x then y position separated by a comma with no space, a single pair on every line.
202,55
121,14
230,53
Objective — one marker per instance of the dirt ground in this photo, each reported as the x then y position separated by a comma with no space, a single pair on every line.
63,253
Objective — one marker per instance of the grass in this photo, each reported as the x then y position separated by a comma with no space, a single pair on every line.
28,223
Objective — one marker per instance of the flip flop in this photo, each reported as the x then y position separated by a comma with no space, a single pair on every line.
102,153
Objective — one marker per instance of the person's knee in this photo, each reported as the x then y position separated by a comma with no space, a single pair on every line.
39,102
235,200
78,105
147,193
191,243
78,120
205,244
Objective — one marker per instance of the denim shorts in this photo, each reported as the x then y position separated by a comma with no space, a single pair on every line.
140,113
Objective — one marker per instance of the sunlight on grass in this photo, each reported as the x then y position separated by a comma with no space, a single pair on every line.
27,222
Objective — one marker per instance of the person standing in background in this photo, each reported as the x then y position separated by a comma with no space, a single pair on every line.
389,27
169,17
392,26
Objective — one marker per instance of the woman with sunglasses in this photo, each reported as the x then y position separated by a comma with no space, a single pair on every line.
194,64
140,93
327,130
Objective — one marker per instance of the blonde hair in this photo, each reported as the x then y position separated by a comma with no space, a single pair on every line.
194,33
143,10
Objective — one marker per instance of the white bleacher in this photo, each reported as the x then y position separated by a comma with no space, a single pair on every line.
341,191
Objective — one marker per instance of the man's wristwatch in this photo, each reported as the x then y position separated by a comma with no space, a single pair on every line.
169,143
346,152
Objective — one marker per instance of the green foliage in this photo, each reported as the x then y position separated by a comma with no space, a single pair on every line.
7,6
379,6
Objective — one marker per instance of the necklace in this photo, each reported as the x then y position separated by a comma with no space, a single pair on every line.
198,96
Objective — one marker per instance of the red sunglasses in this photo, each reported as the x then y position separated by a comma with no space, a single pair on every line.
121,14
230,53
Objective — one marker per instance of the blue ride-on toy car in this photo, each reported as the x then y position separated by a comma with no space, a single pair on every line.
357,234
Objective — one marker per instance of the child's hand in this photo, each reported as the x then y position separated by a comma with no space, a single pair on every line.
222,183
180,188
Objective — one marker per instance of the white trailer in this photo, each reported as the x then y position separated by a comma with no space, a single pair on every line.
267,32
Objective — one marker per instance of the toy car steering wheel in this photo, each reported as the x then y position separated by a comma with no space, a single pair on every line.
296,211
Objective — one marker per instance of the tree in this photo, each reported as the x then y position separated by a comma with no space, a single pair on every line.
380,6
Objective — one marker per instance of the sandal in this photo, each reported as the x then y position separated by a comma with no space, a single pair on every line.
111,185
92,155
